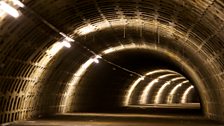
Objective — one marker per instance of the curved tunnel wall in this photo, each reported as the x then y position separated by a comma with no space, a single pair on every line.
192,30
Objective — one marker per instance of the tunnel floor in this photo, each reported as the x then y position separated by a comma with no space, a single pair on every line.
160,116
106,119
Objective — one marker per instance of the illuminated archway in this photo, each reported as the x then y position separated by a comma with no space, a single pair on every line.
81,71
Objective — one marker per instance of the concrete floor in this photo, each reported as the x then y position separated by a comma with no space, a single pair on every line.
105,119
151,115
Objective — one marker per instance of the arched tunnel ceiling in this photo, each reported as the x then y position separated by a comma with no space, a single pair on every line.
36,80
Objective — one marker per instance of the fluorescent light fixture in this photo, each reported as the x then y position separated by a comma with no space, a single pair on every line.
96,58
19,3
66,44
142,77
9,9
66,37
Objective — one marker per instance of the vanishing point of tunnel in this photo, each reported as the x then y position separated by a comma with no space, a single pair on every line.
112,62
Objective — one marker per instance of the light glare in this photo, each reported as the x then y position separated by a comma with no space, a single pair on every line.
144,95
66,37
187,91
87,29
130,90
110,50
19,3
96,59
56,47
159,93
9,9
173,91
66,44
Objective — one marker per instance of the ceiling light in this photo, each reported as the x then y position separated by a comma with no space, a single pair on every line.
142,77
66,37
66,44
96,59
19,3
9,9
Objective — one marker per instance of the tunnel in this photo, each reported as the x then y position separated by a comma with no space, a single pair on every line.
60,59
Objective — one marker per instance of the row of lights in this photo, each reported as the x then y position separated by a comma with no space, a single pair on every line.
10,8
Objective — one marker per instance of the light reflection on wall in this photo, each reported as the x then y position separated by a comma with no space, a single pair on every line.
163,87
130,90
147,89
133,85
166,30
74,81
186,93
173,91
37,73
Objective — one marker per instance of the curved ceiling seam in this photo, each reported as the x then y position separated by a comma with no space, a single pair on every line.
197,21
220,29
